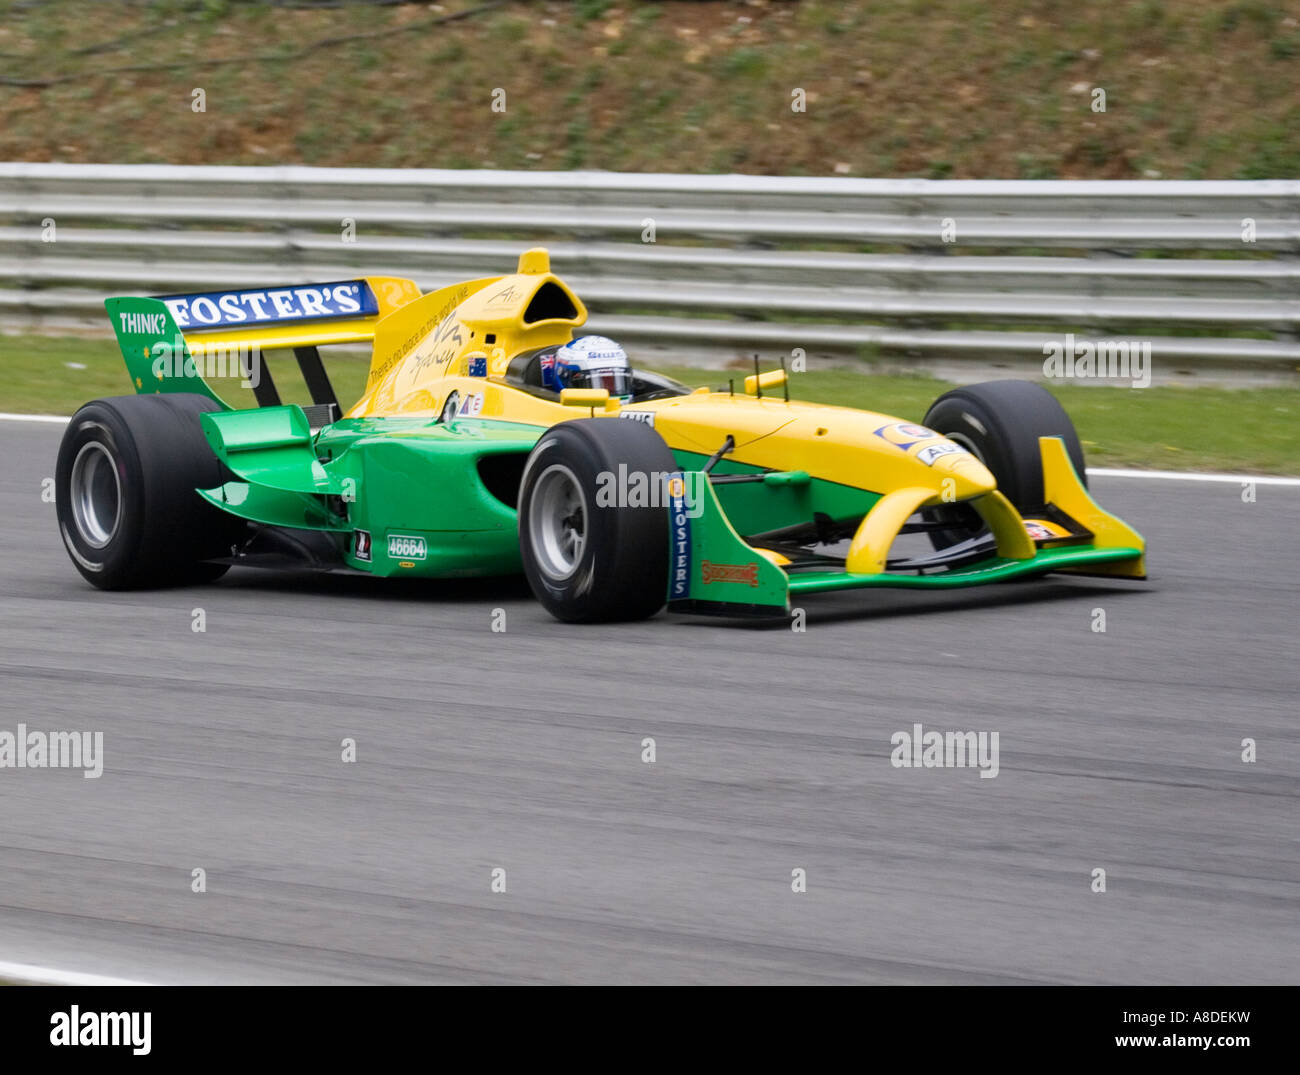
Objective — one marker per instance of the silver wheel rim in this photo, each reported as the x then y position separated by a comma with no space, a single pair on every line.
96,495
557,522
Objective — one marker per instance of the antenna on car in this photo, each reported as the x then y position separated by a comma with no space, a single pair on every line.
758,380
731,385
785,381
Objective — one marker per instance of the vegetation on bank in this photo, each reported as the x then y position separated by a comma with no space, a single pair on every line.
932,88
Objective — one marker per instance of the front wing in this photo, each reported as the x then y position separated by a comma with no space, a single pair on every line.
714,570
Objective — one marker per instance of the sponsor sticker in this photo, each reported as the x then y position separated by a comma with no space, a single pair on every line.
362,548
471,405
143,324
644,417
905,434
268,306
931,452
745,573
679,519
406,547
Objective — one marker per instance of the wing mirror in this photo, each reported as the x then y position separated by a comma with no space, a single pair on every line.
756,383
595,398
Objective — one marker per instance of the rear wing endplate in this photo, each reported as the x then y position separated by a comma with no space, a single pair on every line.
172,343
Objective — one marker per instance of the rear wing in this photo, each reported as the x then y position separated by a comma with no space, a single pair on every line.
172,343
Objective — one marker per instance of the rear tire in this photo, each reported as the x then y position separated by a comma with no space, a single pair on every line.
125,497
588,560
1000,423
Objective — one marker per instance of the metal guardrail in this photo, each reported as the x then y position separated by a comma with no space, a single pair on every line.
966,270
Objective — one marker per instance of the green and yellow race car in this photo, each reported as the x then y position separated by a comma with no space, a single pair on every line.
489,440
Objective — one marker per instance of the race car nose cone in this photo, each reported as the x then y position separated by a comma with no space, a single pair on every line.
970,477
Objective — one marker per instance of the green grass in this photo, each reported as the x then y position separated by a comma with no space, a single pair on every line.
1252,430
55,375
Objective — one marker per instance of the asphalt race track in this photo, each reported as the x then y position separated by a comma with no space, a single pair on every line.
522,750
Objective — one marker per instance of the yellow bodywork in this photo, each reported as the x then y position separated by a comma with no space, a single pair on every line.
1063,489
869,549
422,355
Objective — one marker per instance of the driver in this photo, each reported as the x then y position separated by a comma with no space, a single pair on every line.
589,362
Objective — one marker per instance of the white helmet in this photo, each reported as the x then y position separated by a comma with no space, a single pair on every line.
590,362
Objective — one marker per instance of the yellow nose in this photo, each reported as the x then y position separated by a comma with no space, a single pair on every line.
969,476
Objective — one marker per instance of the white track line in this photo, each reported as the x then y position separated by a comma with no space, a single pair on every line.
1097,472
4,417
32,975
1189,476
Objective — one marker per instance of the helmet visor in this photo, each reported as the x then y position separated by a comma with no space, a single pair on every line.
618,381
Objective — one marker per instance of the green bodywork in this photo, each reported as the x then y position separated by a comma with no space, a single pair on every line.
412,484
157,357
710,563
758,507
994,569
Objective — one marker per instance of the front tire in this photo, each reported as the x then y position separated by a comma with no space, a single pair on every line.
1000,422
586,559
125,497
